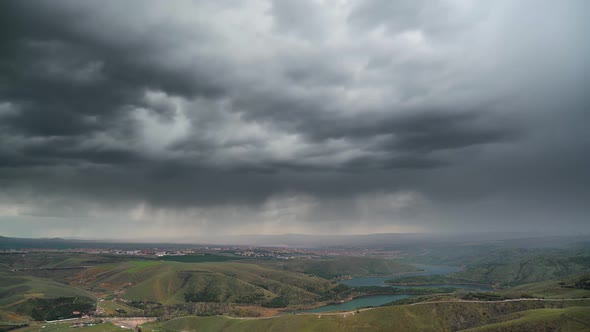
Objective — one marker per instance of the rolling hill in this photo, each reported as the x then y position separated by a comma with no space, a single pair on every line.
18,294
510,316
329,268
511,268
228,282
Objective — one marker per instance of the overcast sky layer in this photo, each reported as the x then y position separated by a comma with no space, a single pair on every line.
188,119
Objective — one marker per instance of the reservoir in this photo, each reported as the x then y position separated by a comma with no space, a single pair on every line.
426,270
359,302
377,300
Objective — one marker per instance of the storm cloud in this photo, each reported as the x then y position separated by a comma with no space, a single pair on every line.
190,118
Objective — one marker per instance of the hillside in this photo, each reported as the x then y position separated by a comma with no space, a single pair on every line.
329,268
19,295
574,319
424,317
510,268
52,285
528,269
576,286
228,282
158,287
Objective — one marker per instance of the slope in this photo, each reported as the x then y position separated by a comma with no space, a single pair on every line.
228,282
426,317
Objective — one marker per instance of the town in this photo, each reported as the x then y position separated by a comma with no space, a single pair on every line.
241,251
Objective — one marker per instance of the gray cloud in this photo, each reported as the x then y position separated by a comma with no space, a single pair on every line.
299,116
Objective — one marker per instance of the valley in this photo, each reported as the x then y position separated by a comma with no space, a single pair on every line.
209,290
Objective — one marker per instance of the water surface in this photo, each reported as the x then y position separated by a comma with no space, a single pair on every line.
427,270
359,302
377,300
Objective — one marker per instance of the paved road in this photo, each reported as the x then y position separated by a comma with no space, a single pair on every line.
499,301
353,312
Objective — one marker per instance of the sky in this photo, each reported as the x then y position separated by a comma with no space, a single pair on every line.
195,119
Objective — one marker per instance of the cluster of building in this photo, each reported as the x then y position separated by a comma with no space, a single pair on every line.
289,253
243,251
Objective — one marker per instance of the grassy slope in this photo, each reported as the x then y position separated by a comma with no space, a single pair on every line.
355,266
426,317
158,281
573,319
551,289
512,268
17,289
55,260
232,281
528,269
167,282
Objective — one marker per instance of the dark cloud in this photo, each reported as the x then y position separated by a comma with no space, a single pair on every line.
294,115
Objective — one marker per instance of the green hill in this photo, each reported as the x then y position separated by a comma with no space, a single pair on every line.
225,282
528,269
570,287
19,295
329,268
573,319
424,317
510,269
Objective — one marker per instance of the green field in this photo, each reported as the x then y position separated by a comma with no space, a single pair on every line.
205,258
138,265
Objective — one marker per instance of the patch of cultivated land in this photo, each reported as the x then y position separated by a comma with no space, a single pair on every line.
204,258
